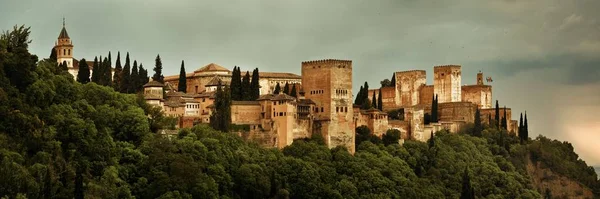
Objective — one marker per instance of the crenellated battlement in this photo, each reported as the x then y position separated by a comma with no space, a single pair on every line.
327,61
447,66
411,71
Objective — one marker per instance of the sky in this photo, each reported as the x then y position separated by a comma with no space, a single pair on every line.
543,55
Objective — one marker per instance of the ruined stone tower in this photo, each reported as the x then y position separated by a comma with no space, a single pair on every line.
329,84
64,48
407,87
446,83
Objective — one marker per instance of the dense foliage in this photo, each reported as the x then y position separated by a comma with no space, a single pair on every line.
63,139
244,88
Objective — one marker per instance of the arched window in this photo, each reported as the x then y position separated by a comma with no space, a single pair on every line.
64,51
69,52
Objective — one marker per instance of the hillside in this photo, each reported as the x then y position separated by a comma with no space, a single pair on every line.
63,139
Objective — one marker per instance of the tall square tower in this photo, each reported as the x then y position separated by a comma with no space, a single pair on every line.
328,83
446,83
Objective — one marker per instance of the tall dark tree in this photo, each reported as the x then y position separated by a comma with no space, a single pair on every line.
107,70
497,118
246,90
431,141
95,72
478,128
366,104
380,101
393,80
286,89
358,100
526,128
158,76
142,77
182,87
126,77
83,75
100,71
490,122
505,120
521,129
118,76
277,89
53,55
255,84
221,115
109,59
236,84
467,189
294,92
374,100
134,78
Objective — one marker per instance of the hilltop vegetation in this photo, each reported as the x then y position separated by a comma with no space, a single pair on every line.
63,139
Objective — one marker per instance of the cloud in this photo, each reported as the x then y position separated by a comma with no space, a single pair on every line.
571,20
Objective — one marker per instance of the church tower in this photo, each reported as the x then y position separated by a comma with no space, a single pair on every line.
64,48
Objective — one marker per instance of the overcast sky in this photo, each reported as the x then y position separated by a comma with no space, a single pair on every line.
544,55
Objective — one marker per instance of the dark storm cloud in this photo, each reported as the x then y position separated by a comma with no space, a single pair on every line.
554,42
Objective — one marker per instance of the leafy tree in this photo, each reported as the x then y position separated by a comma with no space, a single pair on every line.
158,70
126,81
363,133
277,89
236,84
134,78
386,83
478,128
255,84
64,67
53,56
286,89
490,122
118,76
294,93
391,136
83,75
18,64
380,101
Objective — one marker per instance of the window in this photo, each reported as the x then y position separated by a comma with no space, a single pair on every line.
322,109
196,89
337,109
346,109
69,52
64,51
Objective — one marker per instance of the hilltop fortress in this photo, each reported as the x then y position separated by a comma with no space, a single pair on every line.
324,106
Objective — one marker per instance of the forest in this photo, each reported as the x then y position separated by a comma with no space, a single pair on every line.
60,138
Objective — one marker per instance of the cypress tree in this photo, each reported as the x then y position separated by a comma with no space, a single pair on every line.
374,100
467,189
109,59
134,79
521,132
277,89
478,127
182,87
365,96
380,101
95,70
107,72
286,89
526,128
246,92
294,93
83,75
236,84
158,70
490,120
118,76
358,100
505,120
100,77
126,77
53,55
394,80
142,77
497,118
221,116
366,104
255,84
431,141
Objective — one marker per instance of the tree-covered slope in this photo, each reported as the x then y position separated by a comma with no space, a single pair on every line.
63,139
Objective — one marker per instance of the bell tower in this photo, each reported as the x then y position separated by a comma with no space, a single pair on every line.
64,48
480,78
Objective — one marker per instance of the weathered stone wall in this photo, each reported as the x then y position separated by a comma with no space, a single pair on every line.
415,116
267,139
402,126
446,83
407,87
245,113
492,111
426,95
329,84
302,128
481,95
389,95
457,111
